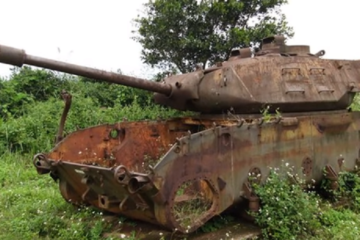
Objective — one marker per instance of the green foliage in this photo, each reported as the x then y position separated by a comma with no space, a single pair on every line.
32,207
40,84
216,223
36,130
348,192
12,102
178,34
349,184
287,211
32,131
107,95
267,115
355,106
338,224
340,217
30,123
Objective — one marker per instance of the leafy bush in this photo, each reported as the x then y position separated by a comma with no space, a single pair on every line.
349,184
38,83
31,107
12,102
36,130
287,211
107,95
27,85
338,224
348,193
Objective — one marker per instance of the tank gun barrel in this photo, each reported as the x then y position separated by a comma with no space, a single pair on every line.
18,57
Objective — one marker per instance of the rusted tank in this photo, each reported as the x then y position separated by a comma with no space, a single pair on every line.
255,111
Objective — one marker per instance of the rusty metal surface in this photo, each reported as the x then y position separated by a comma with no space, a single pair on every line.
67,99
18,57
182,172
290,84
200,173
285,77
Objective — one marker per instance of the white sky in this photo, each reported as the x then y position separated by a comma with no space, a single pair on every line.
97,33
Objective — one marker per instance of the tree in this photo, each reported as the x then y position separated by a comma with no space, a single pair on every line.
178,34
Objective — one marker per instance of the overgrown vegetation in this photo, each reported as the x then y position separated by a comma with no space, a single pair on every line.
32,207
292,209
287,211
30,110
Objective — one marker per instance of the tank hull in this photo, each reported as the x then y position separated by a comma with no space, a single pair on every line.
181,172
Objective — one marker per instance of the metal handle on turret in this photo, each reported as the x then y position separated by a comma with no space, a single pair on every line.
18,57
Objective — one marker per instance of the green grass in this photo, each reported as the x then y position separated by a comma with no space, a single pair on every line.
31,206
293,211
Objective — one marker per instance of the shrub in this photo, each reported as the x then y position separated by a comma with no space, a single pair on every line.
287,210
39,83
36,130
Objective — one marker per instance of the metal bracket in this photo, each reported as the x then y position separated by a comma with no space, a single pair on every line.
67,99
254,200
331,175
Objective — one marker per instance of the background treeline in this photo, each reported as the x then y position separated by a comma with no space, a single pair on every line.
31,106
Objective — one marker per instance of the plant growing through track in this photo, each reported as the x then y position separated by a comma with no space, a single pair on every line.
287,211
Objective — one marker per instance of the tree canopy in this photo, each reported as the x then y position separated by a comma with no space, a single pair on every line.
178,34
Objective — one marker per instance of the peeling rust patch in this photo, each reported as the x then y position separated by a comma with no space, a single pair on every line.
193,173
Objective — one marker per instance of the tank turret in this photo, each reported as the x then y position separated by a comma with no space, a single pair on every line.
283,77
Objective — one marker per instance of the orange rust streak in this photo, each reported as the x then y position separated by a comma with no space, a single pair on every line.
137,145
